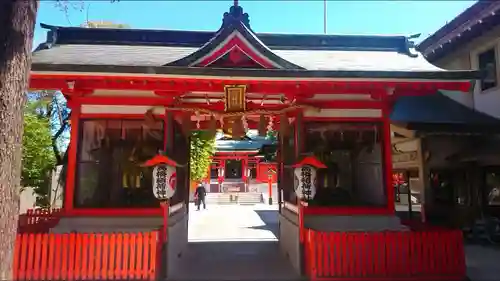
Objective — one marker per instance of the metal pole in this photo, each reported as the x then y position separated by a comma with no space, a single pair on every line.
270,188
324,16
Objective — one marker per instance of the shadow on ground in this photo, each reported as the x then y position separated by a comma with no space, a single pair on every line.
270,219
242,260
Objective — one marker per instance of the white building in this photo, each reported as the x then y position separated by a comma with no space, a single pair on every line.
471,41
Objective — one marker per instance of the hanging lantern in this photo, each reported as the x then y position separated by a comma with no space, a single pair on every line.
270,124
198,119
305,177
164,176
220,177
245,123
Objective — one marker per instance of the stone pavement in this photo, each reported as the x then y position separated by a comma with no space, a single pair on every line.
230,242
483,263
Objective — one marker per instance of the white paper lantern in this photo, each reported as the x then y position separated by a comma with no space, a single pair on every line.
164,181
305,182
221,172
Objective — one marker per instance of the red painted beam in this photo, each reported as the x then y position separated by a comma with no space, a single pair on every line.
182,84
219,106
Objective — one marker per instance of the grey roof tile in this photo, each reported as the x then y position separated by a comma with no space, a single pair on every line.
123,55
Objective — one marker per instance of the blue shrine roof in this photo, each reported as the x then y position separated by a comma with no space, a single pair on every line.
439,112
252,144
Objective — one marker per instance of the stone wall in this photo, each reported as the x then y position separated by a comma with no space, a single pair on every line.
289,237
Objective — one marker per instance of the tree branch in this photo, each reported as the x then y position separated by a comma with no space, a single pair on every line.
64,126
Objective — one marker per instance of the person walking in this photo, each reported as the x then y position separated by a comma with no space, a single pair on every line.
200,195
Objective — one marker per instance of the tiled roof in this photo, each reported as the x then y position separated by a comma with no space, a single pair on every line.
231,145
124,55
482,16
347,56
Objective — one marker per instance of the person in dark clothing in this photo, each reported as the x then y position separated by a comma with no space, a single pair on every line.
200,194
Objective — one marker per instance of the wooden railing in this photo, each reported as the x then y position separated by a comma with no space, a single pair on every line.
38,220
87,256
405,255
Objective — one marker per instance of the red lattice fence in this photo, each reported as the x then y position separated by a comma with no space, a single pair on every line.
406,255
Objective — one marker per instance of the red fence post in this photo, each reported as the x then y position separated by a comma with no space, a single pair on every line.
437,254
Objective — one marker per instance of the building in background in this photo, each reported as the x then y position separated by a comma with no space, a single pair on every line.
462,173
471,41
239,163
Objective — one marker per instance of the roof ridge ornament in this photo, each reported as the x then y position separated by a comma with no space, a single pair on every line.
410,44
235,15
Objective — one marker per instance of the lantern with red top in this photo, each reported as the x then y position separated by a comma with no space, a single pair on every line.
164,183
164,176
305,177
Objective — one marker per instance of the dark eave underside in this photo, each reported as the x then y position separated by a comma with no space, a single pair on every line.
258,73
453,129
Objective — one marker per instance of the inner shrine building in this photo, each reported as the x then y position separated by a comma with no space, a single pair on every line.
134,92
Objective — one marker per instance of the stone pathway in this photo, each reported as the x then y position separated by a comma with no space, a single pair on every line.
234,243
483,263
231,242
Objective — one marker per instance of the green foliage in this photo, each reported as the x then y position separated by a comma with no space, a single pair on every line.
202,149
38,156
271,135
46,128
105,24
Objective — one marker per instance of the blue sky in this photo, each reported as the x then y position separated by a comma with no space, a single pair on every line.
344,17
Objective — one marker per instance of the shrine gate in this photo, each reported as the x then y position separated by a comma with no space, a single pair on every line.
137,93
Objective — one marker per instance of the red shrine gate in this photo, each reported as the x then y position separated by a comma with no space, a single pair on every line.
328,105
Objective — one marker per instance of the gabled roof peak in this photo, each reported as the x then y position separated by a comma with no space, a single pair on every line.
235,15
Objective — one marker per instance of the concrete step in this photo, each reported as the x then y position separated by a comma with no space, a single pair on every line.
250,198
244,198
219,198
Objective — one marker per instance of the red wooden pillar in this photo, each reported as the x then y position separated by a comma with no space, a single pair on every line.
209,172
221,173
270,187
299,142
69,194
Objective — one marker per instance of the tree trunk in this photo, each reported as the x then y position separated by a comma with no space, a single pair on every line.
17,20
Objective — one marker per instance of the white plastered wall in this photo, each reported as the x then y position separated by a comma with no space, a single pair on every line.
466,57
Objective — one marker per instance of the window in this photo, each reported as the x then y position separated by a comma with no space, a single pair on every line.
353,155
109,173
487,63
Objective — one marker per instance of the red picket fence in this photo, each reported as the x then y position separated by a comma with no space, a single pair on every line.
87,256
38,220
411,255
